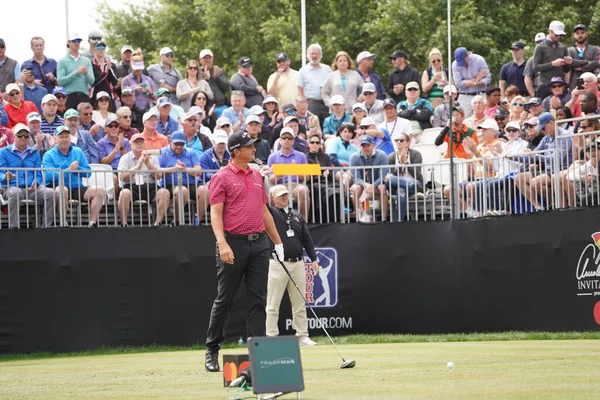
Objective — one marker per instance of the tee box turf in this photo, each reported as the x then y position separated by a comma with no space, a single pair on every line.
233,364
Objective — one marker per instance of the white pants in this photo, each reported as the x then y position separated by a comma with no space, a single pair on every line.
278,283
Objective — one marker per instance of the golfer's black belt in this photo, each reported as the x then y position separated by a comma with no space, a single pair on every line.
291,260
252,237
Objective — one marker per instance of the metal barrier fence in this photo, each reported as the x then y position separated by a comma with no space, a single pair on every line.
563,176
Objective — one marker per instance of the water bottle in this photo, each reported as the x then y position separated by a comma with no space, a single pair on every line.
241,341
196,221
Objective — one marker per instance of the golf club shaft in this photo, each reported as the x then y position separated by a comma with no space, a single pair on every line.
309,306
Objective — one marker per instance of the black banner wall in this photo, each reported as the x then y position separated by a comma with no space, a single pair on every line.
76,289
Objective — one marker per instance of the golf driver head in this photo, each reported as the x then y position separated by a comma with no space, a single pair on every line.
348,364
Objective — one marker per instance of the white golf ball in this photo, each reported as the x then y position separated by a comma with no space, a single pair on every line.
450,365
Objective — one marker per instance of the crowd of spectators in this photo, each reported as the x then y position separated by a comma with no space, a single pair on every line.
88,108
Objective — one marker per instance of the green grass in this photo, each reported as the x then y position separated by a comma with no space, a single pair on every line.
513,366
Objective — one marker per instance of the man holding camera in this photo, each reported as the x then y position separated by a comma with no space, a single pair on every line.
551,59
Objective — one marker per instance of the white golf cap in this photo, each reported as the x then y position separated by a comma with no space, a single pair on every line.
101,95
449,88
12,86
557,27
220,136
412,85
223,121
74,36
34,116
206,52
367,121
20,127
289,119
148,115
364,54
360,106
165,50
252,118
126,48
540,36
513,124
49,97
369,87
196,110
489,123
338,99
287,130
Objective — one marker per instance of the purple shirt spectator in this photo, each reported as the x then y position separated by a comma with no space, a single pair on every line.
141,98
295,157
105,147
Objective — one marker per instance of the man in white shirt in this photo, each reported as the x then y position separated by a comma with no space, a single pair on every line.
311,79
393,124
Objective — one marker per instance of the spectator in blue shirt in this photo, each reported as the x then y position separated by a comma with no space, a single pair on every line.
31,90
3,116
381,137
237,113
74,165
287,155
166,124
20,184
216,157
80,137
112,146
44,68
177,161
339,116
366,179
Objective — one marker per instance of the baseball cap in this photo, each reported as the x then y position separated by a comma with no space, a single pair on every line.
137,136
449,88
369,87
2,42
223,121
126,90
399,54
100,43
459,55
287,130
501,113
367,121
459,109
220,136
163,101
544,120
540,36
162,91
364,54
126,48
178,137
49,97
489,123
12,86
240,139
74,36
518,45
513,124
256,110
533,121
288,107
149,114
412,85
34,116
205,52
289,119
165,50
20,127
360,106
59,90
61,129
96,34
279,190
109,121
245,62
389,102
338,99
190,115
366,139
282,57
580,26
70,113
252,118
557,27
196,110
535,101
101,95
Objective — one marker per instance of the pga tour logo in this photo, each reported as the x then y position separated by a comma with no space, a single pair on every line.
588,269
322,290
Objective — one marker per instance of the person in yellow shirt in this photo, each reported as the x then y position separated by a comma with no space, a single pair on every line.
282,83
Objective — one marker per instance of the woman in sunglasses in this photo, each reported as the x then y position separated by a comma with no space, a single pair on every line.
434,79
517,110
104,74
191,85
202,100
558,94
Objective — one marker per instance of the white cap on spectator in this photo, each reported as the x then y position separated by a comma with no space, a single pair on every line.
101,95
165,50
338,99
190,115
513,124
359,106
206,52
20,127
289,119
74,36
220,136
412,85
126,48
364,54
49,97
287,130
540,36
489,123
223,121
196,110
367,121
448,88
257,110
34,116
252,118
369,87
148,115
557,27
12,86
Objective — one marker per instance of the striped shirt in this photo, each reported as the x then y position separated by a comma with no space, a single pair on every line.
50,128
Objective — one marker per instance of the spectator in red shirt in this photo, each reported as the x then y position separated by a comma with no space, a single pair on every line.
17,109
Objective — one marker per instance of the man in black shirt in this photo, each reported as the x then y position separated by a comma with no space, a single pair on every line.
295,236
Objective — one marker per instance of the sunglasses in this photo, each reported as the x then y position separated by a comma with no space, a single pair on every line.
281,61
412,89
586,126
311,142
95,38
201,98
500,118
169,55
347,125
179,144
400,140
14,93
193,68
100,47
518,104
125,116
287,138
113,126
368,93
290,112
103,99
61,96
556,86
436,61
512,130
22,136
86,114
504,103
225,126
76,41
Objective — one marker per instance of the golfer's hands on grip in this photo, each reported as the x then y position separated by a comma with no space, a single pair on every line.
279,251
226,253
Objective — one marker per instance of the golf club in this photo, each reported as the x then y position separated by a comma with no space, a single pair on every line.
345,363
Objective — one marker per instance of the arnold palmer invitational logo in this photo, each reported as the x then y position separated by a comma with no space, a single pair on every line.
588,269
